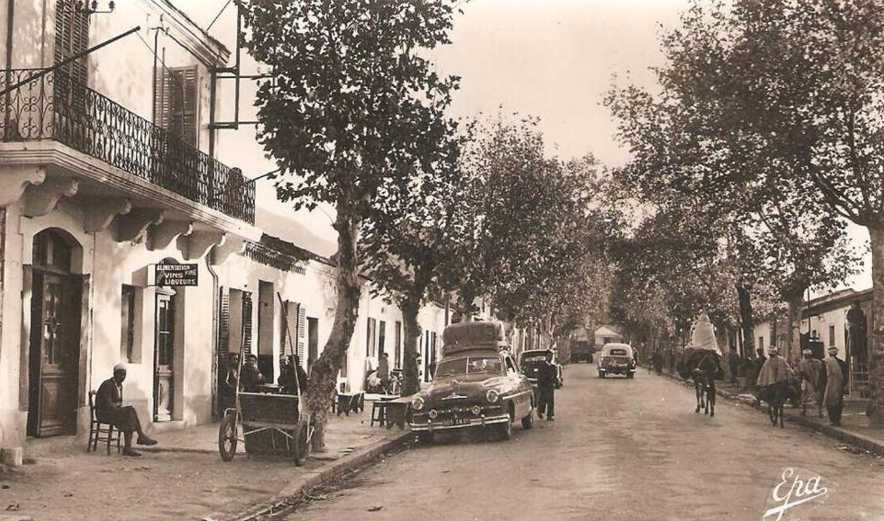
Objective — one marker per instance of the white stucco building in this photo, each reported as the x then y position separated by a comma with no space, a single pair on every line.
108,169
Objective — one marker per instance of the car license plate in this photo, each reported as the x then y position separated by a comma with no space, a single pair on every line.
457,421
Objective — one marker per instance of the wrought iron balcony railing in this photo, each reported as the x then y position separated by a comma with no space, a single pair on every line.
54,107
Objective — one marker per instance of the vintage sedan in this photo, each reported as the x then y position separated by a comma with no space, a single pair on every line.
616,359
476,385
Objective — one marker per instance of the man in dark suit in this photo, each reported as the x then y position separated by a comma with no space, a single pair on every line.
546,385
109,409
251,377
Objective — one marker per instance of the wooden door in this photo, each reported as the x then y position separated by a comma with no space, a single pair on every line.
164,356
54,354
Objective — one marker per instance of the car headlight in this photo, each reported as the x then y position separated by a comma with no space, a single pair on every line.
476,410
492,395
418,403
433,414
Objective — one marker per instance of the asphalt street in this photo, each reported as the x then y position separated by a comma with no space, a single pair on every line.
618,450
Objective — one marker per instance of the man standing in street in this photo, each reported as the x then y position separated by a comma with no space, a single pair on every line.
546,384
809,370
109,408
834,396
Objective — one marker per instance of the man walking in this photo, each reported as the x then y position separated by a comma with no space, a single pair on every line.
109,409
546,383
834,396
809,370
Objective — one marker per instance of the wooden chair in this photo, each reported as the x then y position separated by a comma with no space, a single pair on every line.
100,431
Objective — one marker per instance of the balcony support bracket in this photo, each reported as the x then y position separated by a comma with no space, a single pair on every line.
223,251
15,180
198,243
41,199
100,213
131,227
163,234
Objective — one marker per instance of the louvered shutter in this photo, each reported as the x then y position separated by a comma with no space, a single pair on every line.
71,38
302,333
176,102
246,322
223,321
291,325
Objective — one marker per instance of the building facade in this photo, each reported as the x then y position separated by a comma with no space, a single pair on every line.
123,238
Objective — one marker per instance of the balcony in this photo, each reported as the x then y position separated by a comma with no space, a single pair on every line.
55,108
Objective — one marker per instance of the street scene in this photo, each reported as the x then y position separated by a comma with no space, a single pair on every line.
460,259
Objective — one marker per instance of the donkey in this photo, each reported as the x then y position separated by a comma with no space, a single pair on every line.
703,368
775,395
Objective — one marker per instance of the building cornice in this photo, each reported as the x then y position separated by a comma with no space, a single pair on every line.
59,157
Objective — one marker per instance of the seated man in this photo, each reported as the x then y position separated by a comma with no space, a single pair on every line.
288,373
109,409
251,377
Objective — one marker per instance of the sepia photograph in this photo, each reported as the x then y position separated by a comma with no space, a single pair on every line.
442,260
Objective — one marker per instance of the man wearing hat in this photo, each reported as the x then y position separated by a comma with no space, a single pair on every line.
546,385
834,396
775,369
809,369
109,409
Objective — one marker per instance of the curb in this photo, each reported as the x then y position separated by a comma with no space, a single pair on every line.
851,438
297,490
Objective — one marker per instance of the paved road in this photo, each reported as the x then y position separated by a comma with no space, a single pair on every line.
618,450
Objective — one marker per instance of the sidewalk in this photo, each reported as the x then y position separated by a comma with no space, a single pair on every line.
182,477
855,429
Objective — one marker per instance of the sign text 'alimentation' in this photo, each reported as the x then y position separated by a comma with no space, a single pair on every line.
176,275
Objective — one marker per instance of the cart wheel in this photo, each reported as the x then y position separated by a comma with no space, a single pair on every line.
227,437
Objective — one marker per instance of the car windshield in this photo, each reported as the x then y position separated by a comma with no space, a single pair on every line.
617,352
533,358
470,365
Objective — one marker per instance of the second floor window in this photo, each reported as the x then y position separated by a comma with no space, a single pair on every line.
71,38
176,102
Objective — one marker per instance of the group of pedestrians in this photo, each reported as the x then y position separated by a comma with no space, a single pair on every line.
822,382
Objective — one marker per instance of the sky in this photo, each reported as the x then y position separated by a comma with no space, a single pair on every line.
553,59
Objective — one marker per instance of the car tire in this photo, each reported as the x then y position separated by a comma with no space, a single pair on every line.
601,375
630,374
425,438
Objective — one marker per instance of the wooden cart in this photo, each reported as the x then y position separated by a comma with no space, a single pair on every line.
270,422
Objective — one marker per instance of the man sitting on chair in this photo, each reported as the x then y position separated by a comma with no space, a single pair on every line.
109,409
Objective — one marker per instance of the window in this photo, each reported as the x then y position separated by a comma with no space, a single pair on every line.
71,38
397,345
831,336
370,332
381,337
176,101
127,325
761,342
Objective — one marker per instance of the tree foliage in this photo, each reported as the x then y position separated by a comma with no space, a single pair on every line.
353,116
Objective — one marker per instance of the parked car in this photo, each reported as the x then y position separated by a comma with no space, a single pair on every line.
582,352
616,358
476,385
530,362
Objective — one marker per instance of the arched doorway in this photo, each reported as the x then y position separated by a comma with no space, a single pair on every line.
54,346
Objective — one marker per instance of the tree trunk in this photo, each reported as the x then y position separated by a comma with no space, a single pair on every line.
324,375
744,295
410,308
793,341
876,339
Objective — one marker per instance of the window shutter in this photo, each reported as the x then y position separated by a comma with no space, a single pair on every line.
176,102
302,330
71,38
224,320
246,322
